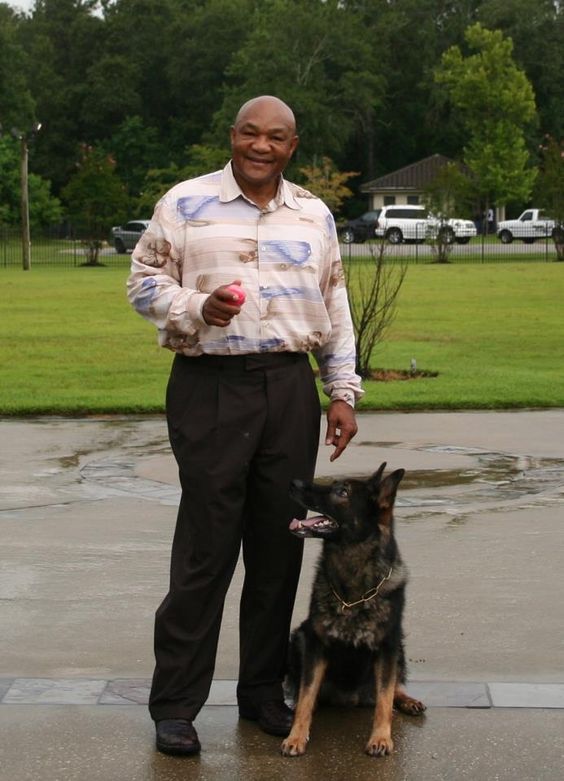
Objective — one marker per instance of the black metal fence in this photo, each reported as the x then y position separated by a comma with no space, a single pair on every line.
62,249
56,247
447,248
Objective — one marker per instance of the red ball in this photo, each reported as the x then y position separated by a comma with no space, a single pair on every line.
237,291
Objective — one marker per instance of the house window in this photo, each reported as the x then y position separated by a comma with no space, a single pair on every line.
413,200
389,200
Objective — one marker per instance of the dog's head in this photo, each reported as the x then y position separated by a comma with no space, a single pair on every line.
351,510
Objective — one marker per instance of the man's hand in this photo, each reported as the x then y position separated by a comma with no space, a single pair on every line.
220,307
341,426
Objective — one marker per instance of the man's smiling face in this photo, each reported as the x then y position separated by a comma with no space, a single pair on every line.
263,140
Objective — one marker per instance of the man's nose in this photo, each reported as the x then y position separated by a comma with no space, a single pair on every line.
261,142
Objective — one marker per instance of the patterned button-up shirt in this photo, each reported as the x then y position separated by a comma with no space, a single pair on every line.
206,233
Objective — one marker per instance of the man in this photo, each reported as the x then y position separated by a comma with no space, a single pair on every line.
242,407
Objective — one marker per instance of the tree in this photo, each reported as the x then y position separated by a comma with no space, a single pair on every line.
201,160
44,209
96,199
16,103
373,288
211,34
537,32
446,196
137,149
316,56
550,188
496,104
327,183
63,38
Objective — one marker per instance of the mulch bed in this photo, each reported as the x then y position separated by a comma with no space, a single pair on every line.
389,375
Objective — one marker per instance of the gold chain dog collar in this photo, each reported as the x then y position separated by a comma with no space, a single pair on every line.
366,597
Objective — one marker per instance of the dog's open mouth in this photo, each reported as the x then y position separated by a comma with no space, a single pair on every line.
316,526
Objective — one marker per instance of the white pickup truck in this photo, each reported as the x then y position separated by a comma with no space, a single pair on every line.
532,224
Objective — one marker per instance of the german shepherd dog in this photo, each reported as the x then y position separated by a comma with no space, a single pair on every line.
349,650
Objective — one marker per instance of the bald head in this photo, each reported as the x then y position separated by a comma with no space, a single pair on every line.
275,107
263,140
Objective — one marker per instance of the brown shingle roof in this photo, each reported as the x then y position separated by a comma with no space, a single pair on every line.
411,177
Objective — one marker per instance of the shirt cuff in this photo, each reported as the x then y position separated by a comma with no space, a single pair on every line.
340,394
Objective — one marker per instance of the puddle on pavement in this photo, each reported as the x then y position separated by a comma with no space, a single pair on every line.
490,476
496,476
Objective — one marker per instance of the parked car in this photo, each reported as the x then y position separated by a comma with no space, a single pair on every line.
398,223
532,224
452,230
125,237
360,228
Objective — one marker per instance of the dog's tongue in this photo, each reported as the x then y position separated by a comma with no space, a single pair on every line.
307,524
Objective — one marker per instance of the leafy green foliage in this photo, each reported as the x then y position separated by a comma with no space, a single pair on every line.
16,102
44,209
496,102
148,79
137,149
550,188
95,198
201,160
329,184
316,57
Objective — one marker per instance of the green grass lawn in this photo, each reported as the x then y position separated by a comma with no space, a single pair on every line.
71,344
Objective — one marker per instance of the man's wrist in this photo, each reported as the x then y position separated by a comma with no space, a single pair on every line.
346,396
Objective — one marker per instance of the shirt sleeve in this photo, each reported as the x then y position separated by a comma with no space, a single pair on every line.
154,285
337,357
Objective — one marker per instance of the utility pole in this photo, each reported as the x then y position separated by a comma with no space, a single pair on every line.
24,180
26,238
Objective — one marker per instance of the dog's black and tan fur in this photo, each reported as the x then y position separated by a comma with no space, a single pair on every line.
350,648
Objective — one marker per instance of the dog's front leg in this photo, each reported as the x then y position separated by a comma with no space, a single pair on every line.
380,741
296,742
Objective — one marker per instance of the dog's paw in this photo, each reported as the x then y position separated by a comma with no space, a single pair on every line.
294,746
379,747
406,704
412,707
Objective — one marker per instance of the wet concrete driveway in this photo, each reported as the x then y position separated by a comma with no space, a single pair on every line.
87,510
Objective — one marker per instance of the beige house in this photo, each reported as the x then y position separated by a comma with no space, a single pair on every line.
406,185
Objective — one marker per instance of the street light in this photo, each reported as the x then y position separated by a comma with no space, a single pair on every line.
26,238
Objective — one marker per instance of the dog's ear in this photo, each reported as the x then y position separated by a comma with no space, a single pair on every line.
387,489
377,476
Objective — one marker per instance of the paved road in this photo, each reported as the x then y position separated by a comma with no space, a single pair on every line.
490,250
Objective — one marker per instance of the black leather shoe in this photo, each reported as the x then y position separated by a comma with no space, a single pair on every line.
274,716
177,736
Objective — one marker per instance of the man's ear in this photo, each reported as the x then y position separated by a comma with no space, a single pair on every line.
294,143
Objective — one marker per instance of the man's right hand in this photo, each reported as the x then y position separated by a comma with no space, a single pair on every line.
219,308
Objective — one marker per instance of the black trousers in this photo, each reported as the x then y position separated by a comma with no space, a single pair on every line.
241,428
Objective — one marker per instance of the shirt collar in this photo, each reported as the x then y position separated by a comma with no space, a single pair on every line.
230,190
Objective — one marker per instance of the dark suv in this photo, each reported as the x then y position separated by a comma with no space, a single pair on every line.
359,229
